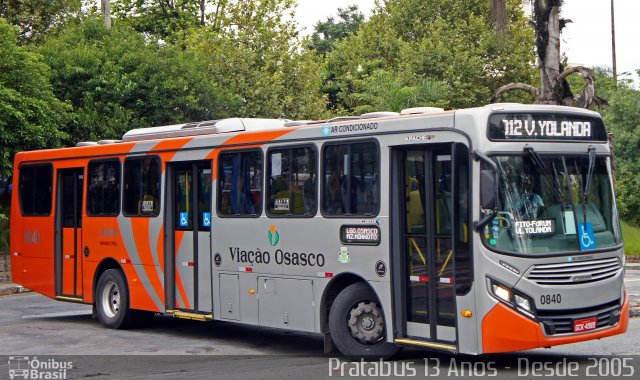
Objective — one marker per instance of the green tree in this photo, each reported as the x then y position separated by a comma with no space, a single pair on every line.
30,114
327,33
117,81
256,55
453,43
622,117
161,18
37,18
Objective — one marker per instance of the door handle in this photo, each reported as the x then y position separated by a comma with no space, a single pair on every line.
86,251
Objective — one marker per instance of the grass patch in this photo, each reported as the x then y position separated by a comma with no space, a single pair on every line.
631,237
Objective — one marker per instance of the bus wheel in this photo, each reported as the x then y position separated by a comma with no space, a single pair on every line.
112,301
357,326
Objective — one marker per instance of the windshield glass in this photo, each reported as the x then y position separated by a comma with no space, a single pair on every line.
552,204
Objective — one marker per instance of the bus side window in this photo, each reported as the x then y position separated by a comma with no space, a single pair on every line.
240,184
142,187
103,197
35,190
350,184
292,181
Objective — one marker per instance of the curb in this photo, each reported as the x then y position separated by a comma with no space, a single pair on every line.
14,290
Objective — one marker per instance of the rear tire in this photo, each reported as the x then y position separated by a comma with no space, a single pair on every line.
112,301
357,324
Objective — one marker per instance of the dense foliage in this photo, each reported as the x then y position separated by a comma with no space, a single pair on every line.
622,117
31,116
449,48
117,81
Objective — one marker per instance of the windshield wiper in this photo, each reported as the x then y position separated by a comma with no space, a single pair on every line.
592,165
539,163
556,184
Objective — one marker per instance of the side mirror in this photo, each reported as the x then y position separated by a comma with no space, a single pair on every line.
487,190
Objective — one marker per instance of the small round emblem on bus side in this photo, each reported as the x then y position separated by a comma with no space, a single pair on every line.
381,268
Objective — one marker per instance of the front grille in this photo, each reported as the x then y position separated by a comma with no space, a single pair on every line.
580,272
561,321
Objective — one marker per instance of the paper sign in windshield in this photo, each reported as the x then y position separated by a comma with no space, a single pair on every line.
536,227
282,204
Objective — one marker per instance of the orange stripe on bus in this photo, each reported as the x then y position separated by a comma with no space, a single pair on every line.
84,151
140,297
249,137
171,147
214,156
183,293
160,248
140,228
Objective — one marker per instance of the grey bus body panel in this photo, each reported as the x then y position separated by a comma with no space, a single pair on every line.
185,272
286,303
205,271
229,297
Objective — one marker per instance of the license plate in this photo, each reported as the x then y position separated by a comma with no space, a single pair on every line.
586,324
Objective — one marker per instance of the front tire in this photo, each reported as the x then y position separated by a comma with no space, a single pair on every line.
357,324
112,301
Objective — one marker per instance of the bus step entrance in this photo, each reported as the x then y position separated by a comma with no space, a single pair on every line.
438,346
193,316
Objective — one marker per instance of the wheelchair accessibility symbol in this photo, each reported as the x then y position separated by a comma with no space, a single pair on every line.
586,237
206,219
184,219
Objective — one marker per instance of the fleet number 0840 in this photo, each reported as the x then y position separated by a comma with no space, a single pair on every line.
548,299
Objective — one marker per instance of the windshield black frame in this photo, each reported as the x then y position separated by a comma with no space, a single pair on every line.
561,180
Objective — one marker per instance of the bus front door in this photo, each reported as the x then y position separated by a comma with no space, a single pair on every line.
423,233
189,265
68,254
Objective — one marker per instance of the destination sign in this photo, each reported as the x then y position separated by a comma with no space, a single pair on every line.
360,235
545,126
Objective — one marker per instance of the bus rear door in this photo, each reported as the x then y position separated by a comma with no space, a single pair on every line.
68,254
189,208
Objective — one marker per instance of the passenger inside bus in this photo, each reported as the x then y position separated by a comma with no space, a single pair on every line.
334,186
527,204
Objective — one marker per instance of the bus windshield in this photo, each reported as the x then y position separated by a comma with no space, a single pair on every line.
553,203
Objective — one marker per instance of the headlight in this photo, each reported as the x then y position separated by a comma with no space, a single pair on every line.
516,300
501,292
523,303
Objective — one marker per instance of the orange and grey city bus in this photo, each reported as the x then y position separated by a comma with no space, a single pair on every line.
481,230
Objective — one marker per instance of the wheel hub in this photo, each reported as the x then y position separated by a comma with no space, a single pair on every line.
366,323
111,299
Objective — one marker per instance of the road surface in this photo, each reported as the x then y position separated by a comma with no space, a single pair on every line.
32,325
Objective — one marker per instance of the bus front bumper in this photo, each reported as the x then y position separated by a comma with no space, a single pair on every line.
505,330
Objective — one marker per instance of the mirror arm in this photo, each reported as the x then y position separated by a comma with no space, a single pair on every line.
478,224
